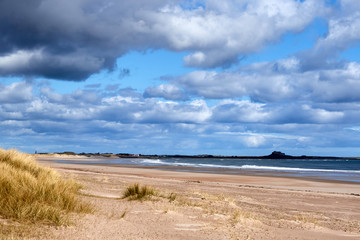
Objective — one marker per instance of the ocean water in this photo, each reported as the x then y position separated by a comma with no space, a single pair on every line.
325,169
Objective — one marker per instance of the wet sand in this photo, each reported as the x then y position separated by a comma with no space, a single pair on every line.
208,205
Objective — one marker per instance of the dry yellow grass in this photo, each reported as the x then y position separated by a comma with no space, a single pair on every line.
32,193
135,192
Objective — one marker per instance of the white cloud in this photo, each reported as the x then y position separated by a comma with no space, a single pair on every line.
240,111
222,31
343,33
355,128
278,81
130,120
196,111
93,34
80,97
83,105
253,141
16,92
322,115
166,91
307,100
19,59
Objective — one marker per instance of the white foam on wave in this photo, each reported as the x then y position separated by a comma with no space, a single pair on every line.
255,167
245,167
182,164
152,161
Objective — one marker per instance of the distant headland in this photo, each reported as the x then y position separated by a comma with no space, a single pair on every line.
273,155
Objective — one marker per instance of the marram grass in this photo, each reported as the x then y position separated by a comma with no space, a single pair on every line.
135,192
30,192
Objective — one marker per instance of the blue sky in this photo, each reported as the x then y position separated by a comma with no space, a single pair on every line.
232,77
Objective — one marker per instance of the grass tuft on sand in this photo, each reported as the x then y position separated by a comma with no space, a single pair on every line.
30,192
135,192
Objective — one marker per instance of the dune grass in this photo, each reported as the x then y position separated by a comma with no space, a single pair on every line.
135,192
32,193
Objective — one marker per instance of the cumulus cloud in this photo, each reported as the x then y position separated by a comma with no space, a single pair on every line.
75,65
83,105
43,41
78,97
309,99
221,32
17,92
277,81
343,33
305,114
240,111
196,111
213,85
166,91
127,109
86,118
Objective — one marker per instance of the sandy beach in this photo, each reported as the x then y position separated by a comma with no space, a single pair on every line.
207,205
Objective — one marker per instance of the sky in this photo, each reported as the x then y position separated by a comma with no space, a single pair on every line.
230,77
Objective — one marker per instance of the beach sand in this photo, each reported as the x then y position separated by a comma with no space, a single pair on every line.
207,205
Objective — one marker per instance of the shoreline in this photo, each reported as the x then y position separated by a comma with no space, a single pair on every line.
220,171
258,178
273,155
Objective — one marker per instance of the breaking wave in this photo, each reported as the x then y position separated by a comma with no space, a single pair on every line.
245,167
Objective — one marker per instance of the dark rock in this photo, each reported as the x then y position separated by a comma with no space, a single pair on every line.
277,155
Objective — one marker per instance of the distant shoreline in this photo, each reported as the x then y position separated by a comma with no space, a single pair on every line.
273,155
335,169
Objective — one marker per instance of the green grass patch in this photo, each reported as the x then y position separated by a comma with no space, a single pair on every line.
30,192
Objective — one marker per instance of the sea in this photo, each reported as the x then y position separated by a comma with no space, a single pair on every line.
319,169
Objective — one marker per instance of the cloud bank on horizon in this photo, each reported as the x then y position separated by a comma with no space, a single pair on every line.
231,96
